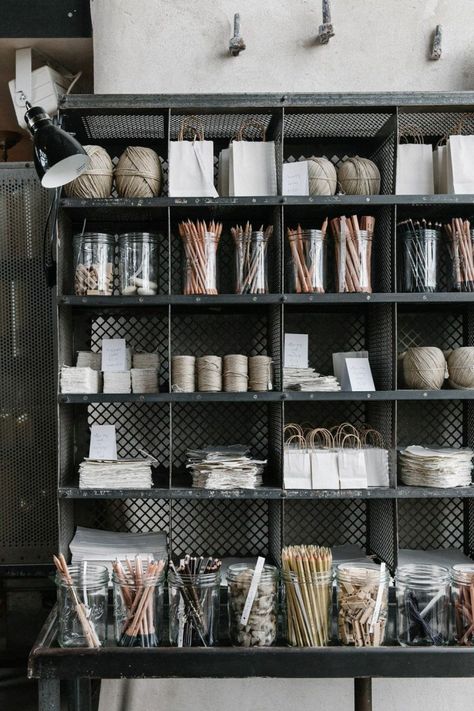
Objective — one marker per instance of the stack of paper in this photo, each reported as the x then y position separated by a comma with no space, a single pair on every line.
88,359
224,468
146,360
117,382
79,380
93,544
307,380
115,474
442,468
144,380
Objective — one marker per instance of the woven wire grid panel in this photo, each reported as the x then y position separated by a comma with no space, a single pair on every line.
116,127
334,125
430,423
382,535
221,528
221,125
28,515
275,530
436,124
441,328
126,515
380,335
430,523
469,527
325,523
328,414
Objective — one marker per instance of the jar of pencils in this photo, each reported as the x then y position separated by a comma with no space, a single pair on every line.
353,251
362,603
138,603
82,605
138,264
251,260
193,608
93,264
462,593
422,605
256,627
419,257
200,243
308,261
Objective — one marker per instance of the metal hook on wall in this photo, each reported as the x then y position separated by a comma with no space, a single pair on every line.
436,49
326,30
236,44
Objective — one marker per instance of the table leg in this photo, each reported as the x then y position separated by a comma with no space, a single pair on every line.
79,693
363,694
49,695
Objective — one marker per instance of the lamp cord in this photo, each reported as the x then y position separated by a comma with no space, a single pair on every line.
49,235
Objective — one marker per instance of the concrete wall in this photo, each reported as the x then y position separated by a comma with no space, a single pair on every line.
172,46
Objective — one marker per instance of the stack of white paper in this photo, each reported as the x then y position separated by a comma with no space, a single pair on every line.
79,380
144,380
441,468
225,468
88,359
115,474
307,380
93,544
146,360
117,382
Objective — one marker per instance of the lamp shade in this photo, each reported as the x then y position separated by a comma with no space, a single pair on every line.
58,157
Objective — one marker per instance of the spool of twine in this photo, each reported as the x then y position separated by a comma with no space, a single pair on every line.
424,368
138,173
359,176
260,373
96,180
183,374
209,374
235,373
322,176
461,368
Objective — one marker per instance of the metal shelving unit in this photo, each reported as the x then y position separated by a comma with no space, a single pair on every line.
260,522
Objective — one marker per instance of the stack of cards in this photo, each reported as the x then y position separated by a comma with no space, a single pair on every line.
224,468
146,360
92,544
307,380
441,468
118,474
144,380
117,382
88,359
79,380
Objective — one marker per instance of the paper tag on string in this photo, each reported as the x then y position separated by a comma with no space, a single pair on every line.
257,573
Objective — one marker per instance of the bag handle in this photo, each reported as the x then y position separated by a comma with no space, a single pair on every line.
192,123
412,132
458,127
375,436
296,438
321,436
344,430
294,428
248,123
349,437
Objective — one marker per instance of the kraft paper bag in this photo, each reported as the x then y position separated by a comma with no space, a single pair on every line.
414,169
191,169
252,168
460,165
376,463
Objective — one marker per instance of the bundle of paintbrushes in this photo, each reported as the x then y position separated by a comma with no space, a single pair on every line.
251,272
307,575
200,243
194,590
461,251
308,256
419,255
138,602
353,247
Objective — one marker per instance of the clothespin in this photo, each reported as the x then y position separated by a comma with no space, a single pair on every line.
436,50
236,44
326,30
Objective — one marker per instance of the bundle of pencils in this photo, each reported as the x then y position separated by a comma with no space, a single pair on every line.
461,250
251,259
80,606
307,254
353,246
307,574
137,584
200,242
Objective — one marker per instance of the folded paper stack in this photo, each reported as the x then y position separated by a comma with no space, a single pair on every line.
115,474
79,380
144,380
224,468
441,468
117,382
88,359
94,544
307,380
146,360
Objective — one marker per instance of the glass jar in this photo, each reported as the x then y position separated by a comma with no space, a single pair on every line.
422,605
260,630
200,263
362,604
354,262
462,593
251,262
461,249
82,606
193,609
308,262
138,264
93,254
419,260
138,611
308,604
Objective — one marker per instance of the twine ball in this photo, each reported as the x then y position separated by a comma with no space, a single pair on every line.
322,177
359,176
461,368
424,368
138,174
96,180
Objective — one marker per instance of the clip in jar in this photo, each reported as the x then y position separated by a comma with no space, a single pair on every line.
422,605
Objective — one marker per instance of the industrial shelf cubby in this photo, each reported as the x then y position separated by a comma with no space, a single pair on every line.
240,523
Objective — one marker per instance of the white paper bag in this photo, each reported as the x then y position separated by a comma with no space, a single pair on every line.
376,463
324,469
352,468
414,169
252,168
296,467
191,169
460,165
223,173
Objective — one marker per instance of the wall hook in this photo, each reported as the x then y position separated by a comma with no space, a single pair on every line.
326,30
236,44
436,49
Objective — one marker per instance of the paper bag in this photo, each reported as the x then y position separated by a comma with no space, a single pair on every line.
440,170
460,165
324,470
414,169
252,164
191,165
352,468
223,173
296,463
376,463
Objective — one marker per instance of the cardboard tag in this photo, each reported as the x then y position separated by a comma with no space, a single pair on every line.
114,355
257,573
103,443
358,375
295,178
296,350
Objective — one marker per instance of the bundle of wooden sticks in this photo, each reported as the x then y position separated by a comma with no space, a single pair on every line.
138,589
308,585
80,606
200,242
461,250
307,253
251,259
353,243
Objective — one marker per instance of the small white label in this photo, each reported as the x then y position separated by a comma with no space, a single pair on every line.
358,375
295,178
181,616
296,350
252,590
114,355
103,442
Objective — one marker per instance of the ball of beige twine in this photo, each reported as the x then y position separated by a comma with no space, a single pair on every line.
359,176
461,368
424,368
96,180
322,176
138,174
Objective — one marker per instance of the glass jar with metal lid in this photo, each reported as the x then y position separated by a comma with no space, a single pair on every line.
138,260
